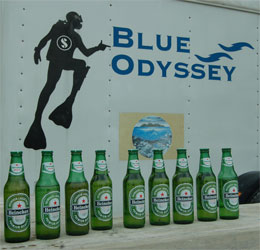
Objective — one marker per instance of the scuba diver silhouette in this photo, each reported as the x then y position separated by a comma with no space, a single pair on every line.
64,40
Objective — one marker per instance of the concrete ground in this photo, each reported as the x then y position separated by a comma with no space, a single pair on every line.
243,233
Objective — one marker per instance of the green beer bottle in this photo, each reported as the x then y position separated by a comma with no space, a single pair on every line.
206,189
228,187
76,197
133,193
16,202
47,200
159,192
101,194
182,187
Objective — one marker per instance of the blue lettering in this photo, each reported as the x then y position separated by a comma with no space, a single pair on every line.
198,68
126,71
229,72
140,43
126,37
159,41
164,68
182,67
213,72
182,44
140,68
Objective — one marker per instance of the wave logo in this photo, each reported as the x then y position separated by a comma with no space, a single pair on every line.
216,56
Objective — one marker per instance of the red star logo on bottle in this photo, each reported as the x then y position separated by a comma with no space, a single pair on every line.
234,190
186,193
83,201
16,165
106,197
212,191
141,196
55,202
162,194
19,205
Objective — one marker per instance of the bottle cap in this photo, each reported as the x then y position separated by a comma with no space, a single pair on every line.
76,151
226,149
181,150
204,150
132,151
16,153
157,151
100,151
47,152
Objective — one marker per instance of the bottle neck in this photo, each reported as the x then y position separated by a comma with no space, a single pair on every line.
76,169
227,165
47,175
133,165
205,163
158,163
182,163
16,169
101,165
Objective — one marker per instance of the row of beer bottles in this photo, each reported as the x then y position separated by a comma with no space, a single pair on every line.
47,199
47,192
182,190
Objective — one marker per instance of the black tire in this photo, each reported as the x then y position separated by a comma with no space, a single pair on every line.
249,187
255,197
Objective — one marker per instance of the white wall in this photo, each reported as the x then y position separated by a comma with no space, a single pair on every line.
217,113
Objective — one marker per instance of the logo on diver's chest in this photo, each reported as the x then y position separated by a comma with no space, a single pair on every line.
64,43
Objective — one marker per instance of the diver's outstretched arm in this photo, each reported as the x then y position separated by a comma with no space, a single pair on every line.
90,51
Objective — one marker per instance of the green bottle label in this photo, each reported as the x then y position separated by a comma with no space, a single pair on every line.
158,164
18,212
184,199
209,197
230,195
134,165
228,161
16,169
77,167
160,196
136,202
79,207
103,203
206,162
50,210
101,165
48,168
182,163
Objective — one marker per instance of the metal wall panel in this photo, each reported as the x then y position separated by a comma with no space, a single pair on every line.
225,113
217,113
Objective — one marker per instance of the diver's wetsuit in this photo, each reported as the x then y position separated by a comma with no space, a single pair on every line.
60,54
64,41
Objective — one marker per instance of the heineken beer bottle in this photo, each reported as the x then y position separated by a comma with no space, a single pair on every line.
76,197
101,194
16,202
182,187
228,187
159,192
133,193
47,200
206,189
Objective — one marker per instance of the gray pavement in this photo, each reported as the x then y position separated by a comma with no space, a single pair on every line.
243,233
